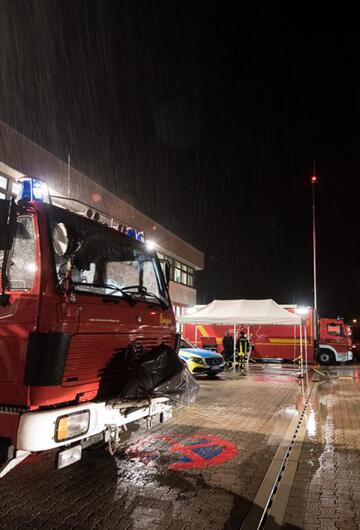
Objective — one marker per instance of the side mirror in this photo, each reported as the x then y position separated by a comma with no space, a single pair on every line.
167,272
7,223
66,241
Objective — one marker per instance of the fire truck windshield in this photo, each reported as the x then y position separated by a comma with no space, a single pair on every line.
109,263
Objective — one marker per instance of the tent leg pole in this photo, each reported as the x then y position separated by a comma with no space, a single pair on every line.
306,355
234,353
301,374
249,352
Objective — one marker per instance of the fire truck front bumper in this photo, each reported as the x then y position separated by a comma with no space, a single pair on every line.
40,431
343,357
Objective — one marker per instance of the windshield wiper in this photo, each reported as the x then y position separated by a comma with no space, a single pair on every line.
163,304
126,296
142,290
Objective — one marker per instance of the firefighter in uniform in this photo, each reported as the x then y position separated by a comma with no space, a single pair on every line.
228,352
242,347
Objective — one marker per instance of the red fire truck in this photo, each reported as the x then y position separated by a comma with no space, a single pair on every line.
282,343
77,300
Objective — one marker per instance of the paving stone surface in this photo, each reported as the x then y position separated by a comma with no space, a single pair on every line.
148,485
326,490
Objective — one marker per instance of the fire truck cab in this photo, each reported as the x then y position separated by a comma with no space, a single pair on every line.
76,297
334,342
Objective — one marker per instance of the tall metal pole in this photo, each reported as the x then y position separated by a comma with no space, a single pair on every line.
301,365
234,352
313,183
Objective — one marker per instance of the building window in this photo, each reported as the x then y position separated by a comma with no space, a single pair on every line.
177,275
3,186
15,188
190,280
179,272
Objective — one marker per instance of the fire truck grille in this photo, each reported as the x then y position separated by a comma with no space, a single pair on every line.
95,358
14,409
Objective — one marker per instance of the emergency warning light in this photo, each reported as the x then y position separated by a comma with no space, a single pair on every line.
136,234
32,189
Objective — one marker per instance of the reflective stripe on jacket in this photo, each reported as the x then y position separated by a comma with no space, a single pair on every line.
243,346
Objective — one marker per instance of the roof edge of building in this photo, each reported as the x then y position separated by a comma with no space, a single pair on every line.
25,156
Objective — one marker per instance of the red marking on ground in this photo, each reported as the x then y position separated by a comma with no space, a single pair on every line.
214,450
227,450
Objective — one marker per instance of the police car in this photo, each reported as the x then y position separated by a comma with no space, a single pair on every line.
200,361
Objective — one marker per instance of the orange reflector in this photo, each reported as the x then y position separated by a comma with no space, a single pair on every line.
62,429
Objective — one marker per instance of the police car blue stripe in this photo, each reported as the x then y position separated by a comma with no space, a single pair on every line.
197,352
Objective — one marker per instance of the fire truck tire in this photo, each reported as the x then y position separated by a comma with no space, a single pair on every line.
325,356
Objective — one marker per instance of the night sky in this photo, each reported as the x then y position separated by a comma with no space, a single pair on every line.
208,119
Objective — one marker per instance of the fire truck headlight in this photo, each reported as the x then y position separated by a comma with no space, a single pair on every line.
72,425
69,456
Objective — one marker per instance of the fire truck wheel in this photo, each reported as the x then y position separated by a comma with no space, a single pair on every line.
325,356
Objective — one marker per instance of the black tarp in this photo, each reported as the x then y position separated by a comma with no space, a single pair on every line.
160,372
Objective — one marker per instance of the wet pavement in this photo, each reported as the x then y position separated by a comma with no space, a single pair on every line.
204,468
325,493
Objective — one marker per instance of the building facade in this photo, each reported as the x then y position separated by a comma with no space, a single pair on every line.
19,156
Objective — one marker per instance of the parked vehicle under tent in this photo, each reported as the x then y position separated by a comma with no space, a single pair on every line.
247,313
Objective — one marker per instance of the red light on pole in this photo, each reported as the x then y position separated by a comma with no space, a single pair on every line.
314,179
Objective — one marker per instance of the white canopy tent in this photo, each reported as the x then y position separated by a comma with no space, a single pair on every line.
247,313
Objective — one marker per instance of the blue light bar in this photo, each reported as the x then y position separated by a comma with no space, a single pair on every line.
32,189
141,236
131,232
136,234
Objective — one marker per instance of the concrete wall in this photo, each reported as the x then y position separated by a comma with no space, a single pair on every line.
182,294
